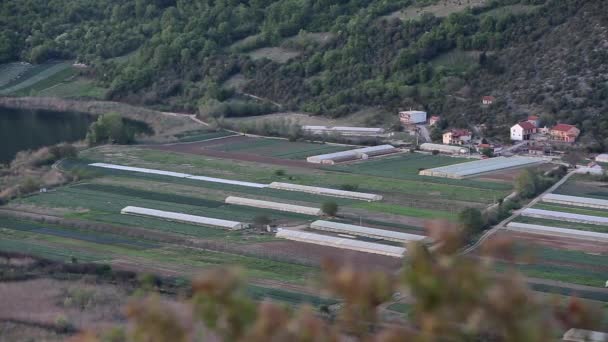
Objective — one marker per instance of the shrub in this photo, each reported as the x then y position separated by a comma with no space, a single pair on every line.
329,208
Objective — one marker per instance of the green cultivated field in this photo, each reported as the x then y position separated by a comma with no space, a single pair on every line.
280,148
32,76
200,135
562,265
35,239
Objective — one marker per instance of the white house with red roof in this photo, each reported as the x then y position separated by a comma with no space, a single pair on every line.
457,137
522,131
564,132
488,100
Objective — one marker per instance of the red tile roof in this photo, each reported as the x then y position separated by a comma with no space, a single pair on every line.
459,132
562,127
532,117
489,98
527,125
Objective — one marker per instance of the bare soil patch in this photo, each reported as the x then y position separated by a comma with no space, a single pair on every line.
44,301
202,148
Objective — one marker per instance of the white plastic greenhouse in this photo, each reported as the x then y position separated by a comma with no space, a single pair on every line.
554,231
183,218
373,233
344,243
359,153
463,170
178,174
326,191
562,216
576,201
249,202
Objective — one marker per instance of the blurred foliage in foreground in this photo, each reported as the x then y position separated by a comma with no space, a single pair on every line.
456,298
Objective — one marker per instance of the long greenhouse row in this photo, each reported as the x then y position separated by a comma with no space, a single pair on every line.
374,233
178,174
563,216
344,243
356,154
463,170
183,218
249,202
576,201
555,231
325,191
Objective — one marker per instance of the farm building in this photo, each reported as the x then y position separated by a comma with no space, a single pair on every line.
522,131
178,175
602,158
183,218
373,233
326,191
563,216
554,231
488,100
564,132
463,170
342,130
533,119
273,205
410,117
359,153
457,137
429,147
339,242
576,201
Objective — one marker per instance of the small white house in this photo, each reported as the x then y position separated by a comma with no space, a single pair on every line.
412,117
522,131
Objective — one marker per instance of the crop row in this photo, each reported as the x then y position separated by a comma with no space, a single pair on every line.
562,224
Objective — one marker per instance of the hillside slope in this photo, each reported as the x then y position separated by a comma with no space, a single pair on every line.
332,58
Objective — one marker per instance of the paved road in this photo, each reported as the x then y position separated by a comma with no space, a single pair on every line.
516,213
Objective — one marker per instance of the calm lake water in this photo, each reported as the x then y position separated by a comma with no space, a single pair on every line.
30,129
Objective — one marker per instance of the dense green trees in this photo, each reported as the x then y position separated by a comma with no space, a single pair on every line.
181,53
110,128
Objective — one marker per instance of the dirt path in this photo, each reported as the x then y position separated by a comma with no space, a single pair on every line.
516,213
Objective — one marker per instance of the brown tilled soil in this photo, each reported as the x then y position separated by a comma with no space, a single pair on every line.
509,175
204,148
45,301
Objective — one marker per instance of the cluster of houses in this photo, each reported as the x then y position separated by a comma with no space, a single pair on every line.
529,130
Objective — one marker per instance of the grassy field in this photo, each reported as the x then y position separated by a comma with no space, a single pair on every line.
34,75
12,71
579,185
200,135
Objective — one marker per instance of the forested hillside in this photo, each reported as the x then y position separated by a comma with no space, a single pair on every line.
331,57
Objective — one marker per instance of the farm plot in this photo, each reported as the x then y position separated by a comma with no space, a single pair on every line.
12,71
278,148
405,189
571,209
201,135
32,76
561,224
184,261
565,216
579,187
105,203
576,267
